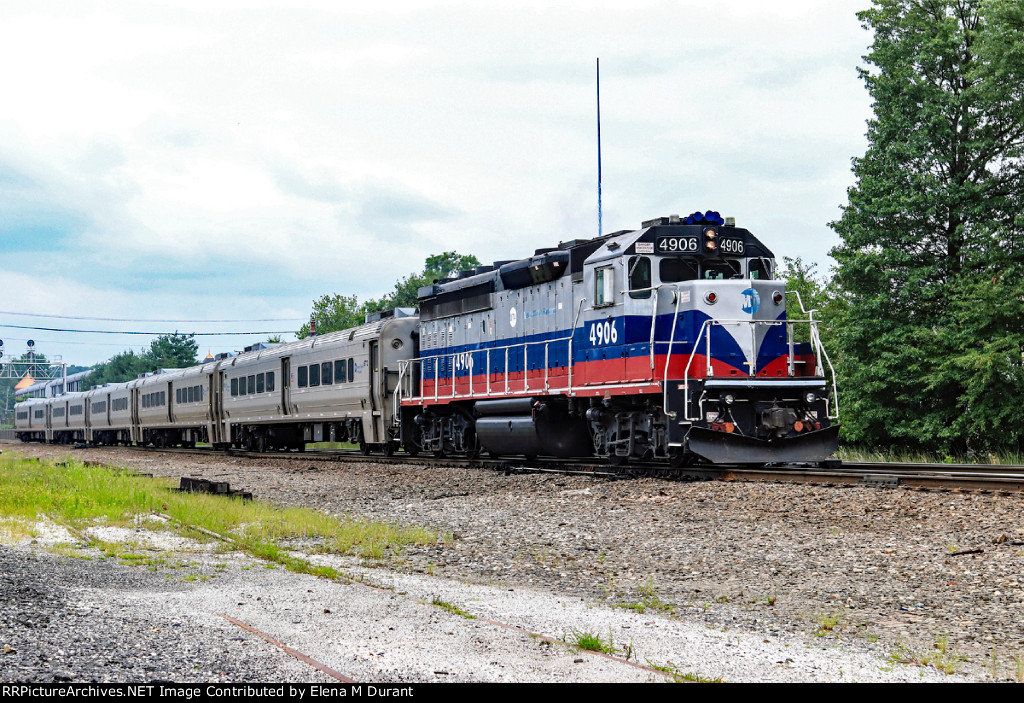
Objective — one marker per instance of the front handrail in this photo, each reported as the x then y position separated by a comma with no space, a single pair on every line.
705,334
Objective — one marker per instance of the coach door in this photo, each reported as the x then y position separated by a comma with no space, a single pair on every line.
286,383
213,404
375,400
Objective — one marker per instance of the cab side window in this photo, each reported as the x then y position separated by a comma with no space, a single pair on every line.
639,277
604,286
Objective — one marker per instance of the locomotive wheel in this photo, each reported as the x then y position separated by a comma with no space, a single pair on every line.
473,451
613,458
364,448
389,449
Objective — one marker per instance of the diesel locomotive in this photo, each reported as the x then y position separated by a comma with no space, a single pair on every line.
667,344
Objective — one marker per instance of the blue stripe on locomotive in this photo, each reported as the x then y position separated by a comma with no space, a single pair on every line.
634,330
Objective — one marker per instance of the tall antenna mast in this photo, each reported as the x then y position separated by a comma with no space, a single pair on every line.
599,227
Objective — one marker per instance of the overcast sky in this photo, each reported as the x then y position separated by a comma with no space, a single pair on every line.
224,160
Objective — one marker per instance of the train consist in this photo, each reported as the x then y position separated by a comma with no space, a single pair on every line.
668,344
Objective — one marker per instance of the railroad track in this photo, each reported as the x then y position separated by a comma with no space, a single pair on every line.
984,477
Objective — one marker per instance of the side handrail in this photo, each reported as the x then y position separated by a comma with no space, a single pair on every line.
401,391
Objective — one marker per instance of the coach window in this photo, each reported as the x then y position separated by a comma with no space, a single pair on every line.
351,370
314,375
339,371
261,381
191,394
177,396
326,373
270,381
234,387
673,269
252,384
604,286
303,376
639,277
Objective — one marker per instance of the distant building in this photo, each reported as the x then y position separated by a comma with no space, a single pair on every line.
49,388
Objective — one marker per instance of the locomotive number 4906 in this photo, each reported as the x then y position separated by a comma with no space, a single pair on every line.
603,333
674,245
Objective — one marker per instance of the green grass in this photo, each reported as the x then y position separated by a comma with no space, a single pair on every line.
649,600
82,496
941,656
331,445
678,676
827,622
590,642
856,453
453,609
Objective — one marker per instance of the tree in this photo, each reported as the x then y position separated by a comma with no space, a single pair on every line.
816,294
169,351
335,312
439,266
339,312
931,234
173,351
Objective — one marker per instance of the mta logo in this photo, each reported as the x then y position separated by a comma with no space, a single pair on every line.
751,301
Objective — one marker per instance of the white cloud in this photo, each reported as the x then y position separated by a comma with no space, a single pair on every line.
329,147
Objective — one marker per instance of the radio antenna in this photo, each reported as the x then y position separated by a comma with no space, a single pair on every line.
600,230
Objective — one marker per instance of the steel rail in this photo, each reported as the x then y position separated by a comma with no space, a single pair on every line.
994,477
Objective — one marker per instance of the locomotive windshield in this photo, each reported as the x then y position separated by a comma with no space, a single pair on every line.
718,269
674,269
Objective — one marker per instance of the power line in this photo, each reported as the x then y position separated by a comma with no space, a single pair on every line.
66,341
153,319
196,334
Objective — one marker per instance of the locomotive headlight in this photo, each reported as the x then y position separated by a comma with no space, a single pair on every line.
810,397
728,399
710,235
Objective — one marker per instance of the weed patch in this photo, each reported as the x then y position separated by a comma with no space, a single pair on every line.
453,609
941,656
83,496
590,642
678,676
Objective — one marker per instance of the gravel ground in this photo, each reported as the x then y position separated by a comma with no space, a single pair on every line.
768,582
